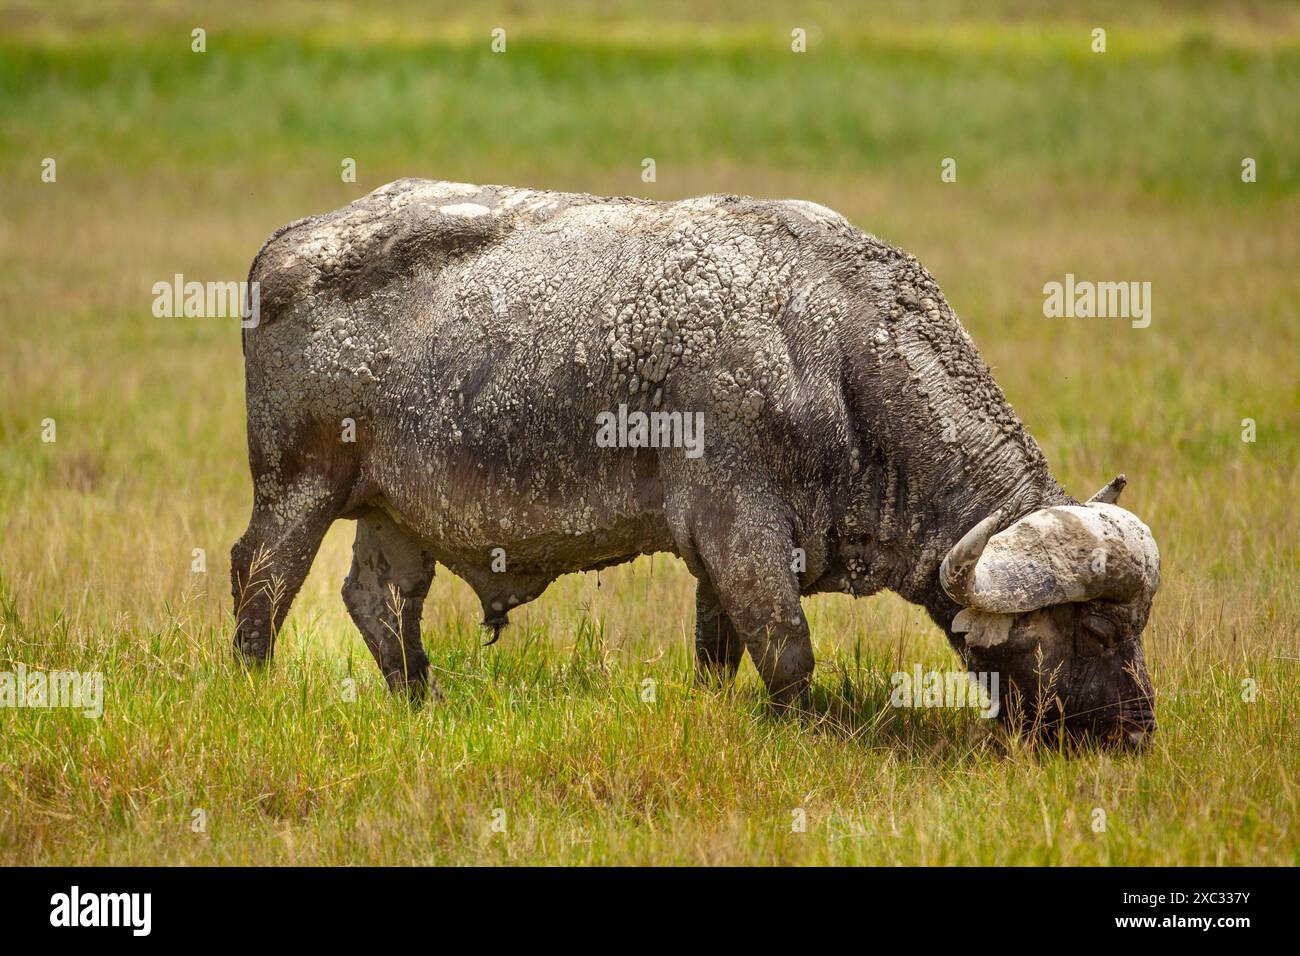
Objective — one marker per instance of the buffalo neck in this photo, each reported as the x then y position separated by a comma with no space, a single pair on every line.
934,447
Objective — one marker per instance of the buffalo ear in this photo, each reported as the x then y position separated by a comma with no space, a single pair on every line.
1110,494
982,628
962,623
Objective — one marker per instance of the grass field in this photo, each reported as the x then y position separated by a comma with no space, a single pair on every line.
1123,166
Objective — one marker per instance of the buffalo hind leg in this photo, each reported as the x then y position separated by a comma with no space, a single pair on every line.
747,553
718,648
270,561
385,593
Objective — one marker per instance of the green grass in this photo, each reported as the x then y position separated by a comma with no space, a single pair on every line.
1177,118
287,770
1121,166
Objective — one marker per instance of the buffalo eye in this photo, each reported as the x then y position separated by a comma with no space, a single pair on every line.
1101,629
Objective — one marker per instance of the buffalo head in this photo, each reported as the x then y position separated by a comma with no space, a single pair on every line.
1056,603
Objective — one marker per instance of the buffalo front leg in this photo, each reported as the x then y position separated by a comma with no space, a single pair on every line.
270,561
718,648
747,553
780,645
384,593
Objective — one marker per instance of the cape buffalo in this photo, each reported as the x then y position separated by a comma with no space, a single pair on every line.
518,384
